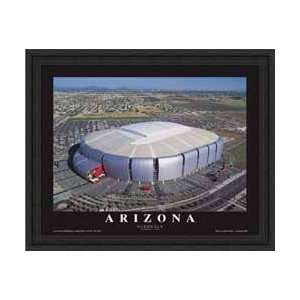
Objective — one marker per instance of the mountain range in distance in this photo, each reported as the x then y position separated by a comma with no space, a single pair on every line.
125,89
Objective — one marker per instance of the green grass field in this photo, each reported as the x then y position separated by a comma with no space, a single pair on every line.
237,156
239,104
208,105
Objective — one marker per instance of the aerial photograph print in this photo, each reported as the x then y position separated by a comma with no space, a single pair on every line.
173,144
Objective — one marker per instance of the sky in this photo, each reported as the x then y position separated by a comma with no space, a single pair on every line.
167,83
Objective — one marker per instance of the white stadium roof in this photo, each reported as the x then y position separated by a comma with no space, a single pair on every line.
150,139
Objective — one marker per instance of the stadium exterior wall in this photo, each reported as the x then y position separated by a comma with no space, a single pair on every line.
142,169
170,167
116,166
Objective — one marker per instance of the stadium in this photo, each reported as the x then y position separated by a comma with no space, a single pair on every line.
146,152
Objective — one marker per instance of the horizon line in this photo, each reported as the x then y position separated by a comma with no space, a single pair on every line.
153,83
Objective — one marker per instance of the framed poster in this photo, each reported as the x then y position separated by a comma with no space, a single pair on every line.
150,150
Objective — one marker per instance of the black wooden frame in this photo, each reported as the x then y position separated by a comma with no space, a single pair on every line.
263,59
